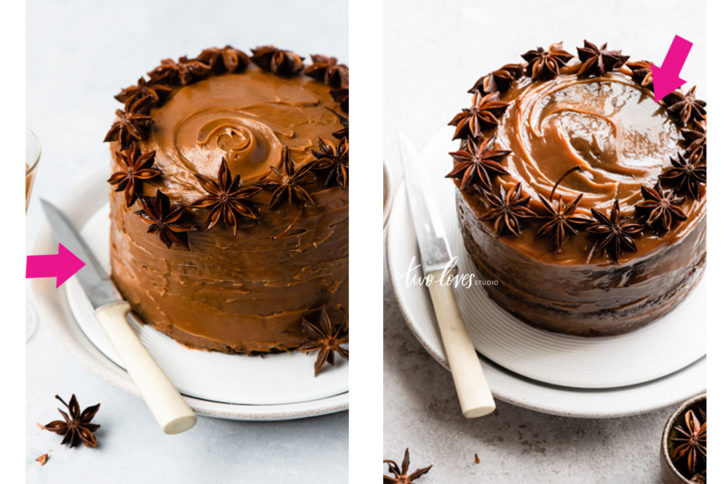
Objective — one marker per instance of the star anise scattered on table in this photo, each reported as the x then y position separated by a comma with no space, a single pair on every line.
226,198
326,69
226,59
144,92
483,114
685,175
341,96
662,208
400,474
332,161
129,126
642,73
42,459
184,71
278,61
689,442
326,338
76,427
685,107
545,64
138,167
613,234
561,220
165,220
695,141
498,81
507,210
342,132
290,185
477,164
597,61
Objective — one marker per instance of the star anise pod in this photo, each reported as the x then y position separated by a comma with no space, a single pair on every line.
695,140
76,427
278,61
483,114
685,175
545,64
332,161
507,210
129,126
498,81
325,337
597,61
138,168
290,184
561,220
184,71
144,92
690,442
699,478
662,208
326,69
226,198
477,164
342,132
685,107
612,233
340,96
165,219
400,474
642,73
226,59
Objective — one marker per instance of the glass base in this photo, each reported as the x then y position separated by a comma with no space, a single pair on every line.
31,320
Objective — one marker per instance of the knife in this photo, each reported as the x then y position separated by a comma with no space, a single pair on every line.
166,404
472,388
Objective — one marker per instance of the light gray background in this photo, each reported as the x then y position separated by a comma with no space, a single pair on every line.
434,53
79,54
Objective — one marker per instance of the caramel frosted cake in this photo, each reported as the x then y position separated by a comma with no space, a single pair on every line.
579,193
229,201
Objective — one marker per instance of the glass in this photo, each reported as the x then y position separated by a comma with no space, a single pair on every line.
32,157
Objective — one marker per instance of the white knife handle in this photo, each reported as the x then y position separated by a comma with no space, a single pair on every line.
475,397
166,404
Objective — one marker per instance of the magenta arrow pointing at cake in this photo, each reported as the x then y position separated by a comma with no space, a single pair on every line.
61,265
666,78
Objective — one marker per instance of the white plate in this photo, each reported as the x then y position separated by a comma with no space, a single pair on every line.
274,387
546,357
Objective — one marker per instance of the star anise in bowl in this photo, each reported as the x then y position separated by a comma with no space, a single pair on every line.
683,444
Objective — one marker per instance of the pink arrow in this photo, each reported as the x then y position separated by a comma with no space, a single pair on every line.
61,265
666,77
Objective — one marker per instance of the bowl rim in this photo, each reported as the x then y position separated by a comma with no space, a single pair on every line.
667,430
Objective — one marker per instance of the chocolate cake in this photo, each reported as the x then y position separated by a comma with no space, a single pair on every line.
579,193
229,201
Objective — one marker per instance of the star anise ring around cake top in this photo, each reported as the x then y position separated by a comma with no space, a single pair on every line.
613,233
478,164
545,64
166,220
137,168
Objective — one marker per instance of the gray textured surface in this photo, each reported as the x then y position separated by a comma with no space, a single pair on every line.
79,54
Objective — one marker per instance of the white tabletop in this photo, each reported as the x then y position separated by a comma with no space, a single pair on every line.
79,55
434,53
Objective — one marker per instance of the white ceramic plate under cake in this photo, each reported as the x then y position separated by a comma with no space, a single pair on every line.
550,372
273,387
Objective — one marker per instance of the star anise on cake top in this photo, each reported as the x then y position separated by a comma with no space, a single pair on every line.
642,73
226,198
144,92
76,427
662,207
343,119
326,69
332,161
483,114
340,96
137,168
507,210
545,64
129,126
226,59
596,61
689,442
278,61
685,107
326,338
561,220
291,182
695,141
165,220
184,71
686,175
477,164
400,474
498,81
612,232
